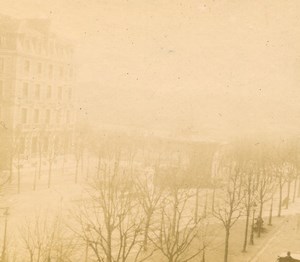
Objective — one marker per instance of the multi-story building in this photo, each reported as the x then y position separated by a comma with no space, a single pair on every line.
37,111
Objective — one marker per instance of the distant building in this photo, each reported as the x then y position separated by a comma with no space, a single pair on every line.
189,164
37,110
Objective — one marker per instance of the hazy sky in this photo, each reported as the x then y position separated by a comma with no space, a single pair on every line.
219,66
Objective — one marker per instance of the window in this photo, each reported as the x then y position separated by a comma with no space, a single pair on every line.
48,115
49,92
1,89
59,92
50,72
36,116
68,117
70,93
61,72
1,65
25,90
51,47
2,41
26,44
37,91
34,145
56,142
66,144
58,116
24,116
39,47
39,69
46,144
26,66
22,145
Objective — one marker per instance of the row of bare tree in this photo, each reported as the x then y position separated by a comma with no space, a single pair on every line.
250,175
128,217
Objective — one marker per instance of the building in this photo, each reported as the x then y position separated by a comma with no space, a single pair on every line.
37,96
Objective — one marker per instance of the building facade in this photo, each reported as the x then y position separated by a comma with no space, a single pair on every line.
37,96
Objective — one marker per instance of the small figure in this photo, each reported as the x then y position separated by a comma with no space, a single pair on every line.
258,225
289,258
260,222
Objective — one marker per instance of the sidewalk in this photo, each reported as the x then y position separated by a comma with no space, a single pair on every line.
263,249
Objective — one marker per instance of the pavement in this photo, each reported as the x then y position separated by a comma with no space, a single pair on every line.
287,238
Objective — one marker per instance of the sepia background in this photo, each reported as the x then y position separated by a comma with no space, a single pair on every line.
201,65
170,114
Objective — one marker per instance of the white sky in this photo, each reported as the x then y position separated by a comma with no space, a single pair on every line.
229,66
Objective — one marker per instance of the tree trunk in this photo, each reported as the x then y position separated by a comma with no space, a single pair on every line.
109,247
298,188
99,164
246,228
39,254
280,198
226,244
76,171
174,214
40,164
213,200
49,173
260,215
203,255
19,177
205,206
295,188
271,212
86,251
63,163
35,176
145,244
11,168
261,207
196,205
88,167
82,162
288,194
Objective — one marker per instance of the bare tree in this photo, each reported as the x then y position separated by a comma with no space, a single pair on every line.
4,188
177,235
17,155
14,140
78,153
45,239
206,236
110,221
149,197
132,149
266,184
279,167
52,150
228,208
40,151
290,176
250,189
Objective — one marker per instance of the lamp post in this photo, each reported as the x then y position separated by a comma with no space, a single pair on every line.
252,226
